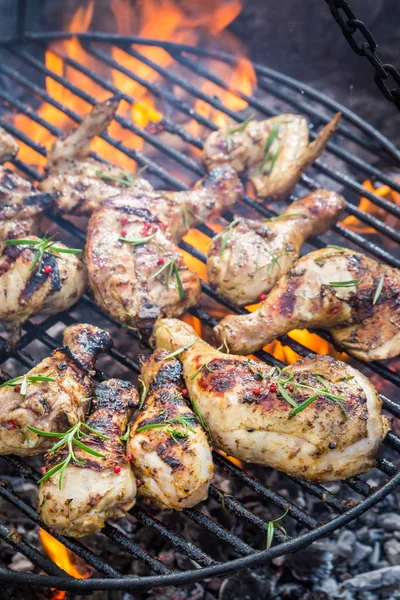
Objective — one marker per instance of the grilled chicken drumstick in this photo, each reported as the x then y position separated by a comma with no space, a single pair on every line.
20,203
37,276
318,419
170,452
338,289
97,488
136,271
78,182
274,152
53,395
249,258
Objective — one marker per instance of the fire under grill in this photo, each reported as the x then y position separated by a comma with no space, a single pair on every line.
170,151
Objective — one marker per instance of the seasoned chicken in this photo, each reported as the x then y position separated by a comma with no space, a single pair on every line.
30,285
144,276
78,182
338,289
318,419
20,203
170,453
96,488
275,152
250,256
8,146
52,396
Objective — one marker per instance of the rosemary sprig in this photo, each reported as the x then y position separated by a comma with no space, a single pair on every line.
70,438
182,421
271,157
125,437
236,129
275,261
378,290
226,233
200,368
348,283
23,380
125,179
268,155
287,216
43,246
143,394
200,417
171,269
271,528
138,241
224,347
180,350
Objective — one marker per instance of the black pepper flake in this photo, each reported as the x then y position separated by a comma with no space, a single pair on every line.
332,445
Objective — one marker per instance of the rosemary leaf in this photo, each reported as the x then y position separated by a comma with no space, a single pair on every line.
143,394
286,395
241,126
287,216
124,438
349,283
180,350
378,290
138,241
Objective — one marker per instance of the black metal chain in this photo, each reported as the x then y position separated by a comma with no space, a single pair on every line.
384,72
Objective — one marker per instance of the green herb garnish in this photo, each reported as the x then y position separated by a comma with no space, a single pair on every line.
205,366
169,424
23,380
348,283
271,528
171,269
143,394
226,232
125,179
268,155
236,129
70,438
287,216
180,350
43,246
378,290
138,241
200,417
124,438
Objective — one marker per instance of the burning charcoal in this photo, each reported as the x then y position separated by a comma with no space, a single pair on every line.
392,551
360,552
389,521
345,544
311,564
374,580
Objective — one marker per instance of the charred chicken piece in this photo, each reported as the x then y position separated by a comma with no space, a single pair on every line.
170,452
78,182
8,146
138,279
338,289
274,153
334,433
29,286
20,203
96,488
58,399
248,259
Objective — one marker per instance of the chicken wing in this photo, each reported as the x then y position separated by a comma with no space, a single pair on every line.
274,152
78,182
338,289
52,396
29,286
249,258
318,419
170,453
136,272
96,488
8,146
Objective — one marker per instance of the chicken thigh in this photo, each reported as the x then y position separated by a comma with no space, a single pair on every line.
170,453
37,277
93,488
338,289
250,256
318,419
78,182
136,271
274,152
52,396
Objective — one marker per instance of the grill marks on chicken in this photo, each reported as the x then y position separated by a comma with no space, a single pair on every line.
250,419
258,253
78,182
136,282
51,405
53,285
361,308
175,472
274,152
101,488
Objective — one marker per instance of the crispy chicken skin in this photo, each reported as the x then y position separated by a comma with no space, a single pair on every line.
362,320
25,292
8,146
51,406
174,473
250,421
94,492
283,138
258,253
137,283
78,182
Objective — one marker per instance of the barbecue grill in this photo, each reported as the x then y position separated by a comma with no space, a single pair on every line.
340,168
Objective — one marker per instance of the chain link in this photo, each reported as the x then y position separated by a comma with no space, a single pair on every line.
384,72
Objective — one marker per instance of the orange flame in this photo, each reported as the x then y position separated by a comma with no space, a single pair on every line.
367,206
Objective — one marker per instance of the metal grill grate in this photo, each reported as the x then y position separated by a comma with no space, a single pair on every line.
344,170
